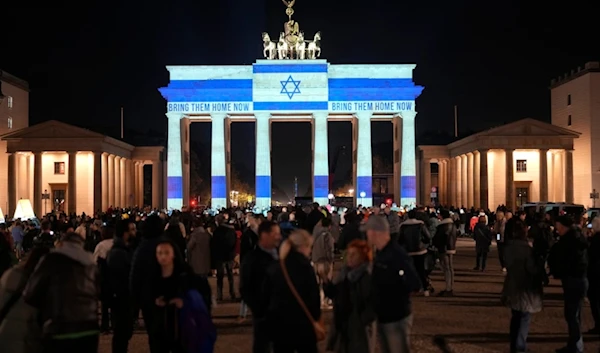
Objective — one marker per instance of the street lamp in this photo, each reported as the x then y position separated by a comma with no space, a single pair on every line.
362,196
330,197
351,192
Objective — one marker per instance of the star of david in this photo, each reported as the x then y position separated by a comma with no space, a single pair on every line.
294,87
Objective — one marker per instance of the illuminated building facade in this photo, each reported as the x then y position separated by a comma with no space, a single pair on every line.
525,161
79,170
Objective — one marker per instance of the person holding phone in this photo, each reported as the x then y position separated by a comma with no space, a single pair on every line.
499,228
483,240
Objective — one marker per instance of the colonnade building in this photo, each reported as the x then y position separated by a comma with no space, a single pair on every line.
524,161
290,90
62,167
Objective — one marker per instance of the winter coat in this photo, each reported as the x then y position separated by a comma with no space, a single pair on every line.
118,266
64,289
483,237
499,228
253,273
223,244
322,250
568,258
522,289
144,263
198,251
445,237
19,332
394,221
350,232
352,311
413,237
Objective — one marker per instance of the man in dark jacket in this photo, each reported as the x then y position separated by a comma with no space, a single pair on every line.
118,263
394,279
313,218
253,273
445,242
412,237
223,252
64,289
143,267
568,262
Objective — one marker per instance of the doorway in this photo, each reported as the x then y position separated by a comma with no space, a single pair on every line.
58,195
522,193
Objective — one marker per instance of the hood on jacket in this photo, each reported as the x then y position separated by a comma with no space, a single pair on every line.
76,252
447,221
411,222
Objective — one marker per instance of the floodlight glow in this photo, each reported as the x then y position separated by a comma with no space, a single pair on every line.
24,210
363,194
2,220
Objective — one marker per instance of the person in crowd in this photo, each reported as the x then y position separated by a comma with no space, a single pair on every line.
335,226
352,302
46,236
100,254
95,236
64,290
253,273
248,242
568,262
483,240
313,218
522,291
499,231
351,230
543,240
198,249
445,242
223,252
18,233
394,279
291,328
143,267
175,231
432,223
413,237
322,256
393,220
509,227
118,265
593,275
19,330
285,225
5,250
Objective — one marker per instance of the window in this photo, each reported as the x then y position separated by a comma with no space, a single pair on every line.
9,102
59,167
380,185
569,99
569,121
521,165
9,122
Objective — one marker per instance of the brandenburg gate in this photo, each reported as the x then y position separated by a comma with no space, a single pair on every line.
290,84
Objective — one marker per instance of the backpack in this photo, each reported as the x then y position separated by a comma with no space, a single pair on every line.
198,333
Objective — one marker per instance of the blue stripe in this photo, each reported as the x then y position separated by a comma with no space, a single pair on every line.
218,187
321,185
291,105
207,95
174,187
365,183
374,94
288,68
370,82
409,186
263,186
210,84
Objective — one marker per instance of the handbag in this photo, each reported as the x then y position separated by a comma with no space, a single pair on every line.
319,326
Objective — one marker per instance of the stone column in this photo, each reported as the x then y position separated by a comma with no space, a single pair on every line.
543,175
174,163
123,188
136,184
98,182
12,187
443,184
111,180
263,159
72,184
218,163
397,140
426,188
141,184
228,185
117,176
476,179
320,151
459,182
355,195
185,157
569,191
408,173
104,168
127,183
510,179
364,159
156,173
470,181
483,180
37,184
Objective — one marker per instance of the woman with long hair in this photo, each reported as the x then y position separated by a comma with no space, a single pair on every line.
351,294
291,327
19,330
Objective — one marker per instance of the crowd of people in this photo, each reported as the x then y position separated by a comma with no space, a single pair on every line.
74,277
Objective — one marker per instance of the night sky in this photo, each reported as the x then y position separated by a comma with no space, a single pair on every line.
494,60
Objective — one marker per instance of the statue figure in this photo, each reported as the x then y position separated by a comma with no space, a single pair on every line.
314,47
268,47
292,30
282,47
300,47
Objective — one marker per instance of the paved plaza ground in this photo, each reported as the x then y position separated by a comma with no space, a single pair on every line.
471,321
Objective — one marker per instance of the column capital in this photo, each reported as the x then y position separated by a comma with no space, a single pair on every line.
117,157
365,114
218,115
174,115
483,150
262,115
408,114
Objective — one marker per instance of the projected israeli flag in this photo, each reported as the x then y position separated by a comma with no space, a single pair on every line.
290,85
